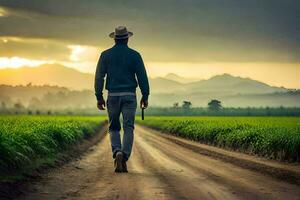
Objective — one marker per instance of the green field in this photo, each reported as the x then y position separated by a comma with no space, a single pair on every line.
273,137
30,141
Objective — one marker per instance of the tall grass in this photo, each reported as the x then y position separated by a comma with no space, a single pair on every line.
26,139
274,137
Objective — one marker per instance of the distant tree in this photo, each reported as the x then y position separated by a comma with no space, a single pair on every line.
268,111
214,105
176,105
38,112
3,105
248,111
29,112
186,104
49,112
34,103
18,106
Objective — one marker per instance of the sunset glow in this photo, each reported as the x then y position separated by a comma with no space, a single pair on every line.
76,51
2,12
197,44
83,53
16,62
257,71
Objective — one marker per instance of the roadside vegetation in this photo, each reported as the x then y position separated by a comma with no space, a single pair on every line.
27,142
272,137
205,111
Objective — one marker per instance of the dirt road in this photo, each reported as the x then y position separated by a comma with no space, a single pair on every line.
159,169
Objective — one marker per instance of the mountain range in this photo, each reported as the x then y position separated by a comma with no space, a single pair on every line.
59,75
48,74
180,79
231,90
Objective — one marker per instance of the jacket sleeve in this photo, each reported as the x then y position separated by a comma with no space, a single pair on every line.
99,78
142,78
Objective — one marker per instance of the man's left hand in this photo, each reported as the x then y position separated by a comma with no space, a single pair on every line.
144,103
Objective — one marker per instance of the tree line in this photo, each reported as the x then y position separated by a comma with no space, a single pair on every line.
214,108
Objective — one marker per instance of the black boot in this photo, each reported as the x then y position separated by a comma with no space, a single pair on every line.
124,165
118,162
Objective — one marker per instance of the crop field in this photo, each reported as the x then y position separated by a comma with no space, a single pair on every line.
272,137
32,140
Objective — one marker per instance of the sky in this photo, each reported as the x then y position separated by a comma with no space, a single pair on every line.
259,39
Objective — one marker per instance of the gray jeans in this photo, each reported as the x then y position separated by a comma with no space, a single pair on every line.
125,105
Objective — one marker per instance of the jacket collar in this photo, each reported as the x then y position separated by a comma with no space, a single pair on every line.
120,44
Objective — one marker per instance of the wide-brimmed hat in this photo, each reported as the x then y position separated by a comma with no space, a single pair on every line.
121,33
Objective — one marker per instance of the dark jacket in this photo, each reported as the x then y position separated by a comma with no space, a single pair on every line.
124,70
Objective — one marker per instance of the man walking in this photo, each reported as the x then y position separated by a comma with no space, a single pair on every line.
124,70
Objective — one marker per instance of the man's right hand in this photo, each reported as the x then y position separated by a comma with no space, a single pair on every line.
101,104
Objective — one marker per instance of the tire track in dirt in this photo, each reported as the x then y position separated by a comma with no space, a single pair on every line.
92,177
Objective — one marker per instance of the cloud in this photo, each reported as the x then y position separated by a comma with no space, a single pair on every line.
16,62
33,48
3,12
181,31
83,53
16,52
